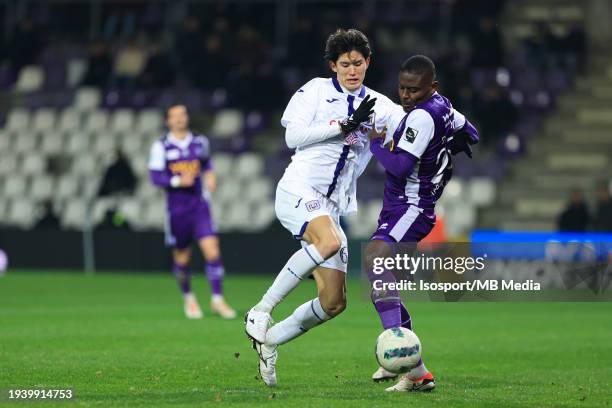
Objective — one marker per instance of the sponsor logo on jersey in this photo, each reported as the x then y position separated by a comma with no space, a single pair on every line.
313,205
173,154
410,134
185,166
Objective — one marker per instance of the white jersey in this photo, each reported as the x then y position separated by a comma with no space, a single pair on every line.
326,163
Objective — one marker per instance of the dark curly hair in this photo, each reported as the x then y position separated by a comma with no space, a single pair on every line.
343,41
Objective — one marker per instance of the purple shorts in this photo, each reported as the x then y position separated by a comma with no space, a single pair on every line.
403,224
182,229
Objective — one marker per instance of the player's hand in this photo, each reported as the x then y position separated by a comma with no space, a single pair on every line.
464,139
211,181
374,134
187,179
361,114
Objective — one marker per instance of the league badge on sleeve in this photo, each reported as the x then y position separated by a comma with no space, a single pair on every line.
410,134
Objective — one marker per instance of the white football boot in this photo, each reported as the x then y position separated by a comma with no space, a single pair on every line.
257,324
383,375
192,308
425,383
267,363
220,307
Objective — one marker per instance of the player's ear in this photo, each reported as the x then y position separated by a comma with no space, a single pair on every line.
435,86
367,62
332,66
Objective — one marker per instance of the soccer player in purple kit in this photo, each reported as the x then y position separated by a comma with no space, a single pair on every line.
417,157
176,164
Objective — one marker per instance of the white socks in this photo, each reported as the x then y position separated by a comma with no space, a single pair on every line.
417,372
297,268
304,318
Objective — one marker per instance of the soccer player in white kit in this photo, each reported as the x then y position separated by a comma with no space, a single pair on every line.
327,121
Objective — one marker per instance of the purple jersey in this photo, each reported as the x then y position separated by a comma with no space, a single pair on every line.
169,158
424,133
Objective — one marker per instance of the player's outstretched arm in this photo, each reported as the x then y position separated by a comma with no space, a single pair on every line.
211,181
463,138
398,162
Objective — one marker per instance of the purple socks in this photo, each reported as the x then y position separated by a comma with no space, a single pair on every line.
183,277
215,273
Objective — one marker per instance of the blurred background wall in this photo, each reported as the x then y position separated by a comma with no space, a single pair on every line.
84,84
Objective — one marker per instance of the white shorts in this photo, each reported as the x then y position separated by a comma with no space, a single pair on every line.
295,210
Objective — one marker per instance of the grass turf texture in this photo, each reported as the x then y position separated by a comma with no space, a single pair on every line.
122,340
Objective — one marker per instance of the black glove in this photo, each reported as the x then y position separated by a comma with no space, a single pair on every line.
361,114
463,139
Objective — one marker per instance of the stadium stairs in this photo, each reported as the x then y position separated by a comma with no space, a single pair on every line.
572,148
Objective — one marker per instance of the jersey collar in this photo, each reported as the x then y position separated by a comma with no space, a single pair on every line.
341,89
178,142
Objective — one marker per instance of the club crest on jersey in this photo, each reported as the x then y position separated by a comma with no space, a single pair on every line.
410,134
313,205
332,100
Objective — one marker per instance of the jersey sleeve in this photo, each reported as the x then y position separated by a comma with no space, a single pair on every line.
303,105
205,156
157,157
458,120
393,121
418,132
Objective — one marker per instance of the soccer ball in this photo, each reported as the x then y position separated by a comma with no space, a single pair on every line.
398,350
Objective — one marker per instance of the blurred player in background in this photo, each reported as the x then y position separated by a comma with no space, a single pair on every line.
327,121
176,163
417,157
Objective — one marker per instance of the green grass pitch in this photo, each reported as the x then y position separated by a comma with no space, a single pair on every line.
122,340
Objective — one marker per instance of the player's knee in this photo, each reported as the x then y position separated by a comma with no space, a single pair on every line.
328,247
334,306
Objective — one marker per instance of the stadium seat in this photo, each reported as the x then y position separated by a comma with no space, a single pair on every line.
52,143
150,120
85,165
77,142
248,165
33,164
460,219
41,188
481,191
31,78
44,120
5,141
3,208
229,190
87,99
122,121
239,215
96,121
15,186
228,123
25,142
259,190
70,120
103,144
262,216
222,164
131,209
8,163
154,215
74,214
18,120
130,144
140,164
67,187
76,69
22,213
454,192
147,191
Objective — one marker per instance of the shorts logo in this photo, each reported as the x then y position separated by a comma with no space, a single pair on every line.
383,226
313,205
411,134
344,255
